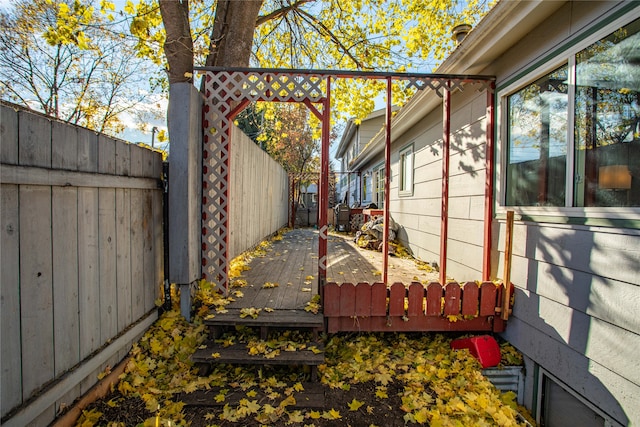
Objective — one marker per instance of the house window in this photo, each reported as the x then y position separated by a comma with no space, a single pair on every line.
560,407
379,186
573,135
537,156
406,171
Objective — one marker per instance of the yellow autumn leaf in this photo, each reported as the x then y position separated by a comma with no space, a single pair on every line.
314,415
381,393
298,386
331,415
354,405
421,416
296,417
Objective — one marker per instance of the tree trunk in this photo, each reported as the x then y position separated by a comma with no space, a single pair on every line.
232,35
178,46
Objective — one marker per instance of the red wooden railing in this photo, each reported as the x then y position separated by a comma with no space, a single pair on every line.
433,307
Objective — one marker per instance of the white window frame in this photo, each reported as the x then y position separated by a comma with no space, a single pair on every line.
365,186
375,194
542,373
406,162
565,57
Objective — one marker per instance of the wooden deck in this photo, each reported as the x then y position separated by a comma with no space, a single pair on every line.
354,298
292,264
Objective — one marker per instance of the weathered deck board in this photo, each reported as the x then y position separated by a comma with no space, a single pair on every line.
311,397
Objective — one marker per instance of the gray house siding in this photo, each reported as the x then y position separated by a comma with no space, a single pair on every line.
418,215
576,271
577,287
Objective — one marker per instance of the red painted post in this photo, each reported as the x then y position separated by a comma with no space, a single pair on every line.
488,184
323,203
444,215
387,185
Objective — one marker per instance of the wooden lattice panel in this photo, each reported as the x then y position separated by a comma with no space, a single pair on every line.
223,91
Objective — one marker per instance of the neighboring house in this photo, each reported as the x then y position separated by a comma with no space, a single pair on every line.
353,188
568,163
308,195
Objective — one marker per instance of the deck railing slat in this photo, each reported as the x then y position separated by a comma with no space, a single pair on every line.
416,300
363,300
347,300
396,299
470,299
434,299
331,300
378,299
488,295
452,299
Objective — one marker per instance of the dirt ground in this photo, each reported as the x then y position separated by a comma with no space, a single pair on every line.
132,411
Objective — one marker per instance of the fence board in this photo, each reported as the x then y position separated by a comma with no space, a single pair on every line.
158,244
107,255
470,299
64,148
35,140
136,160
148,260
88,271
137,254
106,155
87,150
11,386
123,159
434,299
8,135
36,301
65,278
123,257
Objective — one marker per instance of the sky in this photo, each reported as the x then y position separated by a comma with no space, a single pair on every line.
159,103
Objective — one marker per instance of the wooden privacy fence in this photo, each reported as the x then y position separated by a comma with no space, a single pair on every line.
375,308
82,258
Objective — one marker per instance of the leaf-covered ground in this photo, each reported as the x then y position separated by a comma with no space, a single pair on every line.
367,379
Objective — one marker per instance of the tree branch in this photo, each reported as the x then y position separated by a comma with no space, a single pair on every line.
321,28
280,12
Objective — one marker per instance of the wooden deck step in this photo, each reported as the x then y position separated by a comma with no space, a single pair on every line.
293,319
311,397
276,319
312,355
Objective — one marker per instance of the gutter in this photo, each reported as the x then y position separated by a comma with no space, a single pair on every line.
505,22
